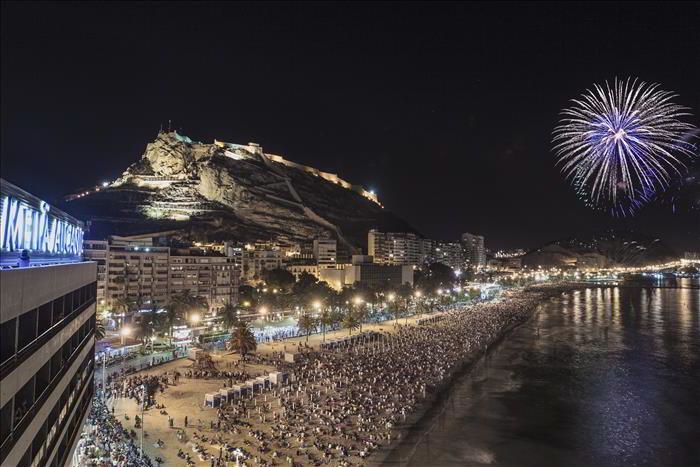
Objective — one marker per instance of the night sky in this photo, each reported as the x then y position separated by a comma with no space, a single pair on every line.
445,110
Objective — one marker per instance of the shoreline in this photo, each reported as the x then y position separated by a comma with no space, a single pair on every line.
431,406
185,397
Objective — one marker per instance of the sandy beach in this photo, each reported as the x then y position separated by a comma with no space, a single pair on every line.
327,415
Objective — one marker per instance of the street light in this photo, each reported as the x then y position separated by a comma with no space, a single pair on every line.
391,296
195,318
125,332
317,305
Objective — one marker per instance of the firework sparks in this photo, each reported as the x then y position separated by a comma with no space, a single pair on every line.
619,146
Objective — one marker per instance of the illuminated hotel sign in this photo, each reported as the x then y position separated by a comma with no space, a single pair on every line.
27,223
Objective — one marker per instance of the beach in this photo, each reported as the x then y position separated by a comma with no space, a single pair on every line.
345,406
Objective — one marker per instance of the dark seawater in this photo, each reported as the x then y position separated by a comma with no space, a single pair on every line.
598,377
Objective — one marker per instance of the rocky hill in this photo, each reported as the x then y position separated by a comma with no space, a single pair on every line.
223,191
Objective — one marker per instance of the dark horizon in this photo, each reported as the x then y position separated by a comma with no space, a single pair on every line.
445,110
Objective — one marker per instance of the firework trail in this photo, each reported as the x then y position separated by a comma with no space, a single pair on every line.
620,146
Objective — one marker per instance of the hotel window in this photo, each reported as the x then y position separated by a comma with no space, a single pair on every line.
45,316
27,329
8,335
58,310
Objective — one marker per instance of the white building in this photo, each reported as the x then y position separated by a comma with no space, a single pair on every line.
365,271
47,323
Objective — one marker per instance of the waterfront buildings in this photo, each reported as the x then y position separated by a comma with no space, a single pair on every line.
215,278
365,271
136,271
450,254
47,323
474,249
398,248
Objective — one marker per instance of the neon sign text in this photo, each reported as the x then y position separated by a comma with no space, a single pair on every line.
25,227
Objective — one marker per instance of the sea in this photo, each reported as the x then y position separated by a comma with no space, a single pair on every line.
599,377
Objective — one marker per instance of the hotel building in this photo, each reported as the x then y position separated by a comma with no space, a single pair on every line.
47,323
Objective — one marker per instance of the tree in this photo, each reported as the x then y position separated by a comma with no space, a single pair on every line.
306,325
189,302
361,313
247,296
229,316
242,339
123,305
99,330
173,314
325,320
305,282
395,309
279,278
149,323
350,321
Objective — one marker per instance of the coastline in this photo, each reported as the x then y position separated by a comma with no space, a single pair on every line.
432,405
185,398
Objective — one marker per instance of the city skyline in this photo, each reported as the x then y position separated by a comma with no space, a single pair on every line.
447,117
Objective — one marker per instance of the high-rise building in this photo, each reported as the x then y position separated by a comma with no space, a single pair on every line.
396,248
450,254
47,329
214,278
474,249
147,275
325,252
129,271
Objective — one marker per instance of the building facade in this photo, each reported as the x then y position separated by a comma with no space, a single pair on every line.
214,278
325,252
397,248
475,252
47,323
450,254
147,276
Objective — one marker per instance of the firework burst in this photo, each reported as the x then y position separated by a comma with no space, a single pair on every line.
620,146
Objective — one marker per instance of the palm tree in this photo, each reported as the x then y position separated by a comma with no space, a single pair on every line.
350,322
189,302
326,320
242,339
395,310
173,314
306,325
99,330
229,315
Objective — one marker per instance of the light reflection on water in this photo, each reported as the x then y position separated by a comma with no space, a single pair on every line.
599,377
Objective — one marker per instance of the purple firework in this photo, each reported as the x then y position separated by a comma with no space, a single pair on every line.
619,146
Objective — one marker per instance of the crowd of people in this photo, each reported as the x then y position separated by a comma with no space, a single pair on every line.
342,403
105,442
346,403
139,387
